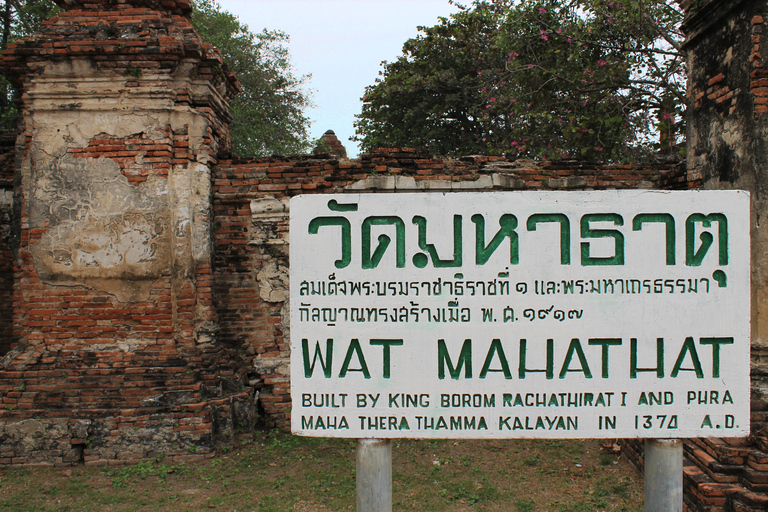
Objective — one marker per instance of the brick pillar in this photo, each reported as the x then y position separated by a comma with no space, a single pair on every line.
727,143
115,354
6,240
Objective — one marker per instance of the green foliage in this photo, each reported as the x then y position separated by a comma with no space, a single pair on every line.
589,79
125,475
470,493
18,19
533,461
269,111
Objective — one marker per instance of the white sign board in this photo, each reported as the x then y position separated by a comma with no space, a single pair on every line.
611,314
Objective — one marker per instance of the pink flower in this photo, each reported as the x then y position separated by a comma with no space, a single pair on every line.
493,98
530,66
542,10
598,148
543,35
569,40
601,63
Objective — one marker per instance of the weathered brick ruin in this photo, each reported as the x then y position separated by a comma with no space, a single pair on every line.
727,132
145,271
331,144
6,254
124,112
727,148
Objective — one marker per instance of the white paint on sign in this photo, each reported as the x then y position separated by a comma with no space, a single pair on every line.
610,314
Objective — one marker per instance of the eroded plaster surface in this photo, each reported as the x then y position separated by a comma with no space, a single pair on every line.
102,231
95,227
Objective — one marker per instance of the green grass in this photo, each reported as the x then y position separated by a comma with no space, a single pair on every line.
525,506
278,472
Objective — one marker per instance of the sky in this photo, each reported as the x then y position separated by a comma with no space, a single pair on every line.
341,43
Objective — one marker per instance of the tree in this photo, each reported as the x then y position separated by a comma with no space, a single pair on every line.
593,79
18,19
269,111
431,96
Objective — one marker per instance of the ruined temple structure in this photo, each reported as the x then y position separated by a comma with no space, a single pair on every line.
728,149
149,269
727,142
144,270
331,144
112,354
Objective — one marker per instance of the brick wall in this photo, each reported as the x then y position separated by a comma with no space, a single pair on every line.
251,230
249,252
7,159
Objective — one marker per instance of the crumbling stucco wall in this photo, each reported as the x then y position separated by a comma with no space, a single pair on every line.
100,229
124,113
727,136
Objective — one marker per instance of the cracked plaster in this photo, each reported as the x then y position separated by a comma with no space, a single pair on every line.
100,230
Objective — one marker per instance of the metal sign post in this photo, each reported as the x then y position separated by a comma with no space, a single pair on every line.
663,475
374,475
